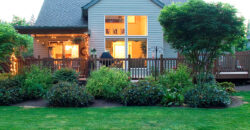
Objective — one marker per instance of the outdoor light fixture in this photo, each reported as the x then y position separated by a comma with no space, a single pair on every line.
93,51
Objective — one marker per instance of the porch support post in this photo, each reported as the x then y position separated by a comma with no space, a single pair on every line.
129,60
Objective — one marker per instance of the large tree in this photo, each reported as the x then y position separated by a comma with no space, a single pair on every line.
202,31
11,42
18,21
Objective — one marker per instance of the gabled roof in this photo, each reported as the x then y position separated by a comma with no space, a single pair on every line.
68,13
93,2
62,13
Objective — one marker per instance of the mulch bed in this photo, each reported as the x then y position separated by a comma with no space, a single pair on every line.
236,101
44,103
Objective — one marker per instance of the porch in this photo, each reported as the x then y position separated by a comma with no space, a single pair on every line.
226,67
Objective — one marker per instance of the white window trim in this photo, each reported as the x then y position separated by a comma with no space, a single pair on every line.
126,36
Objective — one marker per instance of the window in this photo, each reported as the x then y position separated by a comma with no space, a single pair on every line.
137,47
65,49
137,25
121,40
114,25
57,51
71,50
116,47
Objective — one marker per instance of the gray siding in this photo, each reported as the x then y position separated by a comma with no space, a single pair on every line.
40,50
125,7
169,52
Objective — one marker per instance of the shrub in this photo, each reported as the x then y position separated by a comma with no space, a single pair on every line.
143,93
4,76
37,82
207,96
228,86
172,98
66,75
65,94
209,78
11,91
176,83
107,83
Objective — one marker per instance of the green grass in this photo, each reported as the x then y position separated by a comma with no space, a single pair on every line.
127,118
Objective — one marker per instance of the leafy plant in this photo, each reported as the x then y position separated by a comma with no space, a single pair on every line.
228,86
65,94
176,83
177,80
207,95
107,83
11,90
202,31
143,93
37,82
11,42
207,78
4,76
66,74
172,98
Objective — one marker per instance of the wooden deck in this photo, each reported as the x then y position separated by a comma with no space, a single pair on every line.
226,67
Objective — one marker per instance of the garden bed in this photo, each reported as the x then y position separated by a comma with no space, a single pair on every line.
236,102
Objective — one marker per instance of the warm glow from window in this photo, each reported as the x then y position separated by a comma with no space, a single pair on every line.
66,49
137,47
131,19
137,25
57,51
116,47
114,25
71,51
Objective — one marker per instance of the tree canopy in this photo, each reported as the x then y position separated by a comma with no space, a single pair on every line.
11,42
202,31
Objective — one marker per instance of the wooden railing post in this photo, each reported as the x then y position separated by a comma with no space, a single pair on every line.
20,65
129,61
95,62
63,62
161,64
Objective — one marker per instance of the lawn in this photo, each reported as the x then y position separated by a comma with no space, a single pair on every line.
126,117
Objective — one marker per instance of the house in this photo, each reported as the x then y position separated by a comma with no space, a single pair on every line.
72,28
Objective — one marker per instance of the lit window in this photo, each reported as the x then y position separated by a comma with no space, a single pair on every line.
66,49
137,25
137,47
71,50
116,47
57,51
114,25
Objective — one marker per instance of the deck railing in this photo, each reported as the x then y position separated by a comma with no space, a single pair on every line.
139,68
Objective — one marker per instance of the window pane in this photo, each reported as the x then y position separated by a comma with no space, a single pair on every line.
114,25
116,47
66,49
71,50
137,25
57,51
137,47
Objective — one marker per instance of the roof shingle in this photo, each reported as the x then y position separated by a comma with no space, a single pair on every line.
62,13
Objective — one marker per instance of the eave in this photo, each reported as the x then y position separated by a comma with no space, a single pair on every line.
93,2
51,29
